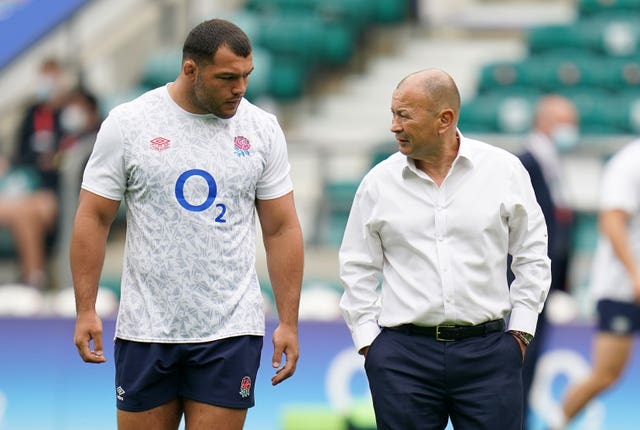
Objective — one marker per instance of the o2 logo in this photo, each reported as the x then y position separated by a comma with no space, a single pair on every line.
211,196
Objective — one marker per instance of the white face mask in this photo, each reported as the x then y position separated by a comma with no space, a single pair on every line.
565,137
73,119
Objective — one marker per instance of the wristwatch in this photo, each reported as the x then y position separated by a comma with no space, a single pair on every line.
524,337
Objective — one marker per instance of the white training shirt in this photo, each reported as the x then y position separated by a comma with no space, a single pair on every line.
189,183
441,252
620,189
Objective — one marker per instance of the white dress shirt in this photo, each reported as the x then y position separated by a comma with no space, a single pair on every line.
417,253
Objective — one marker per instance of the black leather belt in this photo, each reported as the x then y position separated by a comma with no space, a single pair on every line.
450,333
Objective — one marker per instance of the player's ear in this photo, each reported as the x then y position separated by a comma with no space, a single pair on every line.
189,68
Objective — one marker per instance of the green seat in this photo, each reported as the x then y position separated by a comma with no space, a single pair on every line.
499,74
114,99
161,67
613,34
390,11
287,78
598,110
337,200
585,232
297,35
339,44
339,195
545,38
382,152
623,110
259,79
505,110
592,7
561,69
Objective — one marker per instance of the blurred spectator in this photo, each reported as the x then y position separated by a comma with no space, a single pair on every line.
80,121
555,130
30,211
615,281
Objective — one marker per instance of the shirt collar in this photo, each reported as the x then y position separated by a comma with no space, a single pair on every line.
465,152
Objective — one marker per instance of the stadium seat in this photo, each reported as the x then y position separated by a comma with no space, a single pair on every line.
505,110
545,38
499,74
591,7
598,110
259,80
390,11
161,67
585,232
382,152
287,78
112,100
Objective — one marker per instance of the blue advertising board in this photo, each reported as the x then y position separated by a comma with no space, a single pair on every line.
44,384
24,22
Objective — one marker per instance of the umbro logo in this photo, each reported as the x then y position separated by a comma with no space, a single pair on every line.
159,143
120,393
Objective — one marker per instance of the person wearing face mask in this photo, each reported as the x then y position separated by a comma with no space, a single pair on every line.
31,214
555,132
80,120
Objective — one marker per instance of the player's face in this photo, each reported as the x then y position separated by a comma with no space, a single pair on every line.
220,85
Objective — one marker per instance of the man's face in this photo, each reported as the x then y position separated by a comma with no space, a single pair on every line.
414,125
220,85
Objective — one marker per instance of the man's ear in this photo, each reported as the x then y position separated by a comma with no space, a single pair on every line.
190,69
446,118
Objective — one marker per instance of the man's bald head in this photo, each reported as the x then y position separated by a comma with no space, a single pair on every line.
438,87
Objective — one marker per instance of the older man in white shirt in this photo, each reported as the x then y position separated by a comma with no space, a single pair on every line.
424,266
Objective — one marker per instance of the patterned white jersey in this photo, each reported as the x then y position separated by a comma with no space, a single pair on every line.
189,183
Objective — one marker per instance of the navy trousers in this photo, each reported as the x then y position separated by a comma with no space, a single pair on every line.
418,383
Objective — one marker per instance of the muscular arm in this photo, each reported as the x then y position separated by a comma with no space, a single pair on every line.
613,225
283,243
88,242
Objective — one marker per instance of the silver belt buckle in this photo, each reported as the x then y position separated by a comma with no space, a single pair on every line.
442,339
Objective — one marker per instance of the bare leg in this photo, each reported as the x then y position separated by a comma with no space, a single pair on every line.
610,356
202,416
30,219
163,417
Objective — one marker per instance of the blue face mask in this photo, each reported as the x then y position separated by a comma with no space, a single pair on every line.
565,137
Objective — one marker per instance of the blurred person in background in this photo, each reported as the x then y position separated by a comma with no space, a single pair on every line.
194,161
555,131
615,281
30,210
435,221
80,120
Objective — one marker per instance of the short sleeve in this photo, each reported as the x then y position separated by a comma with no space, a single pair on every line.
105,174
275,180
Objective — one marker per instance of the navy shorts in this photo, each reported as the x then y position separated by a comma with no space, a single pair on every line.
617,317
221,372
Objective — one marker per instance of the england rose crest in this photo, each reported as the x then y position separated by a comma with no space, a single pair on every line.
241,146
245,386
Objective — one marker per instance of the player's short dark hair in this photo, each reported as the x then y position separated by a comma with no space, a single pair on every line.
206,38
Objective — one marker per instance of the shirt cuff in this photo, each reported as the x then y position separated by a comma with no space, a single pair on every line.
364,334
522,319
